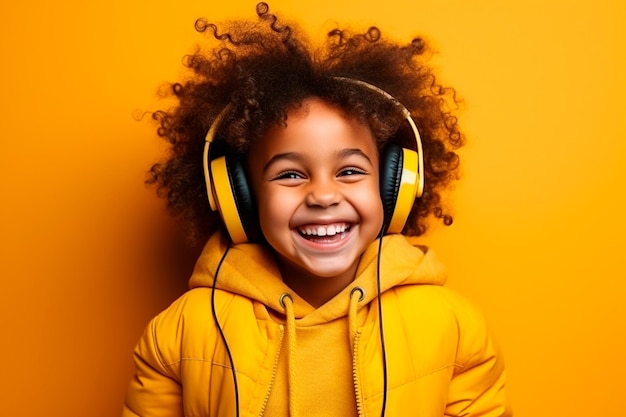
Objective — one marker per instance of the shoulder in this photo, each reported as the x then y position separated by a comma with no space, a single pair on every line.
189,306
435,298
187,320
193,308
446,313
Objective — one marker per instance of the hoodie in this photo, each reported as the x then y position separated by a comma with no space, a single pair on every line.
436,357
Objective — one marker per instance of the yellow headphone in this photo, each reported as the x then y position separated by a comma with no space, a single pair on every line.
401,180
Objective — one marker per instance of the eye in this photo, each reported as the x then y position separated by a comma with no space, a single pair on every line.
288,175
351,171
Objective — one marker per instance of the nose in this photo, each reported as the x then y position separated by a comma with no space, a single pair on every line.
322,193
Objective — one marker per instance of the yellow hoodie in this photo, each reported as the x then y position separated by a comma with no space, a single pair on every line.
294,360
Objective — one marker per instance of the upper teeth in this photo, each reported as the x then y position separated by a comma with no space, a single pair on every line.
325,230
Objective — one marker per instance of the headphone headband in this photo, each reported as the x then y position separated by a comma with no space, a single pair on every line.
205,155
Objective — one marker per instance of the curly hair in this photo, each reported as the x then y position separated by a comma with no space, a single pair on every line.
264,68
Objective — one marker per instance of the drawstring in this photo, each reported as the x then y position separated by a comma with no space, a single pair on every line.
356,295
287,303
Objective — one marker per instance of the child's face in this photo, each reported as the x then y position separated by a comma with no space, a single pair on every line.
317,187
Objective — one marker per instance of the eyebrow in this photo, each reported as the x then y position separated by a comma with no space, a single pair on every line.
345,153
297,156
290,156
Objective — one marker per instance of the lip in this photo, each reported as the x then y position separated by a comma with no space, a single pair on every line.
325,243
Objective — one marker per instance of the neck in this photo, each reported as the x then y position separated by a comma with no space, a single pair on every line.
315,290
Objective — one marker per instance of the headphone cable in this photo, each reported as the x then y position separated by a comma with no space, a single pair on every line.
380,324
219,328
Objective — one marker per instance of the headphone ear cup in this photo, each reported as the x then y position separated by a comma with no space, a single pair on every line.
391,160
244,199
233,199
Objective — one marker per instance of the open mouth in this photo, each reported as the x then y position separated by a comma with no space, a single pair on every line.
324,232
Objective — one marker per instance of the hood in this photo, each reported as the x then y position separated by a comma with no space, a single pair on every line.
250,270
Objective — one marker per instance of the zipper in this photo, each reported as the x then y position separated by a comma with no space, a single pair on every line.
355,378
274,370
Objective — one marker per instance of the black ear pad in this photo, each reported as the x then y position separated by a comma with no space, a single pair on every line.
244,200
391,165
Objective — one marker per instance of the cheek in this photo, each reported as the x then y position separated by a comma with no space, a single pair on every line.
368,203
274,207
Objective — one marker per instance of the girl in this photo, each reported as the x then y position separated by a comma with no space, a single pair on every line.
308,171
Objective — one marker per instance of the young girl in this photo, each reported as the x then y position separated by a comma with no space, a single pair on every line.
307,172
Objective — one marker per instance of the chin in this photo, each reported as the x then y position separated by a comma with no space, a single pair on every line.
328,271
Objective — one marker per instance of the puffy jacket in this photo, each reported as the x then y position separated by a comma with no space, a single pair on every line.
440,359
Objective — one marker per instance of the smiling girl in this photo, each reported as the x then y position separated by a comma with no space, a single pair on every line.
307,171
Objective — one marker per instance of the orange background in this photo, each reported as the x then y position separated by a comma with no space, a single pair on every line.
87,255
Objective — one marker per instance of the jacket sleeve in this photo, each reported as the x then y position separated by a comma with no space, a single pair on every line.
154,390
477,388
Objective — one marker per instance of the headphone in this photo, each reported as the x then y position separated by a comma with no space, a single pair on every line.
401,180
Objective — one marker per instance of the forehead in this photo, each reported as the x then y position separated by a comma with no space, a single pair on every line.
316,126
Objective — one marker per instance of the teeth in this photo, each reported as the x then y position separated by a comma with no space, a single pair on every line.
325,230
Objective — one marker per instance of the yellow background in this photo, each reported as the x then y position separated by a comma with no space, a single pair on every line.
87,255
